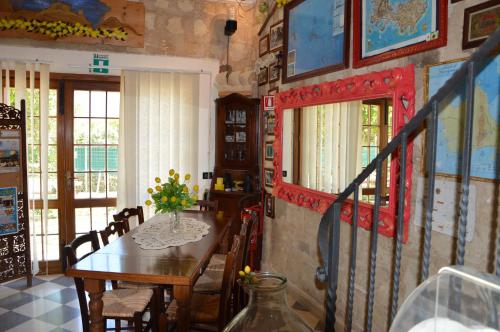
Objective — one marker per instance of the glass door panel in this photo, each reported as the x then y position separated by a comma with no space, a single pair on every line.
95,122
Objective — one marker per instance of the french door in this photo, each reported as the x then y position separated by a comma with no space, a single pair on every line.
83,163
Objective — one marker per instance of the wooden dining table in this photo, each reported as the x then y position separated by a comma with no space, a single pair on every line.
124,260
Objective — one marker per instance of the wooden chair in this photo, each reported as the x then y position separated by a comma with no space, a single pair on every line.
114,227
119,304
126,213
212,206
209,311
211,279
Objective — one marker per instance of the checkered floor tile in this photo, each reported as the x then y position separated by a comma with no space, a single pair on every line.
51,305
46,306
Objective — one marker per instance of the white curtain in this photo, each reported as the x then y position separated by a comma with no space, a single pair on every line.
19,85
158,131
331,146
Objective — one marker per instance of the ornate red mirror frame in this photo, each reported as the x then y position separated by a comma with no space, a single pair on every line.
397,84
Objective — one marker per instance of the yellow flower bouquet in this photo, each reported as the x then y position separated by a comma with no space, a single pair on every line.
172,196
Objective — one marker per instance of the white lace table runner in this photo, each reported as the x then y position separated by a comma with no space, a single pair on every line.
157,232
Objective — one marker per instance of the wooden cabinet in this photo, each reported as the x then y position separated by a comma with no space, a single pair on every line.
237,150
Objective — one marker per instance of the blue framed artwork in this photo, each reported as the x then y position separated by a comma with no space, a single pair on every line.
384,29
486,126
316,38
8,211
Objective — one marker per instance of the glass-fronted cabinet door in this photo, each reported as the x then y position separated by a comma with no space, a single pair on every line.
237,132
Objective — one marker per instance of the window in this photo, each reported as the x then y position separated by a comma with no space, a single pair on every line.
376,133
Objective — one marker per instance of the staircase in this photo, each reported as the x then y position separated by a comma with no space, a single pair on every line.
329,230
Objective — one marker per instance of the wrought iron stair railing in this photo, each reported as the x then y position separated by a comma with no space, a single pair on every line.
329,229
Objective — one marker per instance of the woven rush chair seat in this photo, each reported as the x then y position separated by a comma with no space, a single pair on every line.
125,302
134,285
204,308
209,281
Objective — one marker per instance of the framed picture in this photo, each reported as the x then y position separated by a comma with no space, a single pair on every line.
479,22
450,130
276,36
10,152
270,123
315,38
268,177
274,72
264,45
262,77
269,150
273,91
269,201
8,211
382,33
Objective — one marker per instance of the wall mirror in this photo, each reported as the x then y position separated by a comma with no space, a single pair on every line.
326,134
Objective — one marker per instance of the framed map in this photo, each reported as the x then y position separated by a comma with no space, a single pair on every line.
316,38
388,29
485,148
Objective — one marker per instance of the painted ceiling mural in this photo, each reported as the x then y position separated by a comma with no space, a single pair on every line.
115,22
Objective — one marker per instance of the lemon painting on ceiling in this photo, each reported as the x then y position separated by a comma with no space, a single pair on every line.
114,22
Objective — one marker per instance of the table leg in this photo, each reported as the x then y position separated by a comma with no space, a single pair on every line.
183,297
95,288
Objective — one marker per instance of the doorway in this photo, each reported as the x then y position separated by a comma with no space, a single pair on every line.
83,130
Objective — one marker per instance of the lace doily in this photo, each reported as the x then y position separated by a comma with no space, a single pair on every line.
157,232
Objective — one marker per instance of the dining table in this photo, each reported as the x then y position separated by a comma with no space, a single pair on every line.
124,260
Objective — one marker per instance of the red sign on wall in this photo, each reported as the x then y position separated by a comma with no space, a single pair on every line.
268,103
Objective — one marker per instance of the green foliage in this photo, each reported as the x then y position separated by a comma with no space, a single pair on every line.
172,195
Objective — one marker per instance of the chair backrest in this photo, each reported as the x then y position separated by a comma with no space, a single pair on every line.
126,213
114,227
228,282
70,258
251,221
212,206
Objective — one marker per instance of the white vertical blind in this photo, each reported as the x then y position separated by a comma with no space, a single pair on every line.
31,105
330,146
158,131
20,80
44,139
20,71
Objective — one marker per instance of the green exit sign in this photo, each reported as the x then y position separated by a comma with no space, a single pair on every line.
100,64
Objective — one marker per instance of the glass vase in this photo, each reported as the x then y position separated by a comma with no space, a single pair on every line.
175,224
267,308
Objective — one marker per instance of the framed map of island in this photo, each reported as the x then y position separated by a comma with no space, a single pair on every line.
316,38
389,29
486,127
113,22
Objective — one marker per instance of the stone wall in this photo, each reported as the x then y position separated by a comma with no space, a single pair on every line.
185,28
290,244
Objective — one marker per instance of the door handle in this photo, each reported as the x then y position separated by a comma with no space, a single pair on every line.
69,179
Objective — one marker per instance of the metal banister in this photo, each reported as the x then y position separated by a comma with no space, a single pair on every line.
329,228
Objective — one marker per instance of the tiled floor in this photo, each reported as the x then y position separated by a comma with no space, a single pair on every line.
51,304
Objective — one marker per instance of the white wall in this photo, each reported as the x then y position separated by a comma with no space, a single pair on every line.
78,62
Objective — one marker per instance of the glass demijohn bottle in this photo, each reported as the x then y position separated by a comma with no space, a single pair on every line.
267,308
